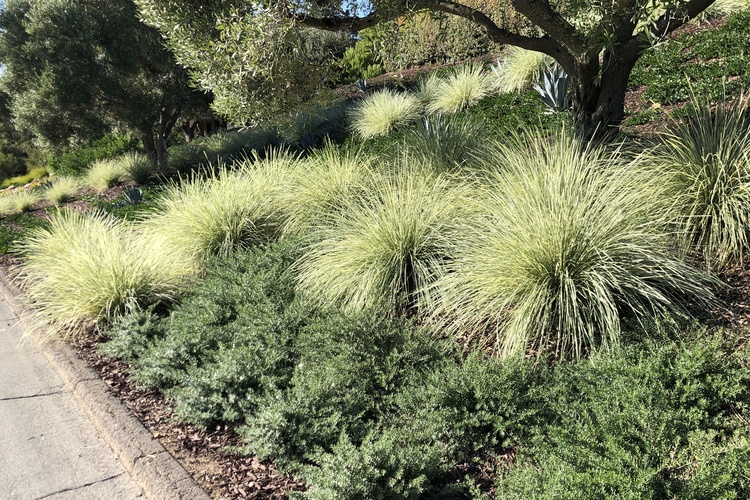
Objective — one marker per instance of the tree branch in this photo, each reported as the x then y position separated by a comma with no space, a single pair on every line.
339,23
670,21
541,14
544,44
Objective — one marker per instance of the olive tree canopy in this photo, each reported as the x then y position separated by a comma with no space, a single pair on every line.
249,53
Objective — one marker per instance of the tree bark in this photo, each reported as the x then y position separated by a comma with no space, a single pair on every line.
598,90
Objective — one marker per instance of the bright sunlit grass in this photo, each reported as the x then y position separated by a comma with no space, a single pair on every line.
386,246
62,189
705,162
467,85
519,69
105,174
83,269
384,111
570,239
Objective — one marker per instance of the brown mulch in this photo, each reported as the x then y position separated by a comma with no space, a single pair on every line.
205,454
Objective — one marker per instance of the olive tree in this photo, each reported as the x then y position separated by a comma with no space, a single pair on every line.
248,52
76,69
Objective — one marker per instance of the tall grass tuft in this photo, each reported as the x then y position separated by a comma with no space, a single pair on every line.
571,238
63,189
85,268
213,215
384,111
323,185
467,85
519,69
137,166
104,174
705,161
427,88
19,200
386,246
449,143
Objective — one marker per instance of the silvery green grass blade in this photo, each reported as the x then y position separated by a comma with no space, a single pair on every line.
62,189
18,200
321,185
705,162
519,68
468,85
213,215
386,246
570,239
83,269
104,174
384,111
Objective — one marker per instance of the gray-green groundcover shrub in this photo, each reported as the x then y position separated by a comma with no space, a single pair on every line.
370,407
226,344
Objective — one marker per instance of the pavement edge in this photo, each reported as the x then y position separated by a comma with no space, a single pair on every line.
158,473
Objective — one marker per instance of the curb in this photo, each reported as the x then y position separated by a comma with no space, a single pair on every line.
158,474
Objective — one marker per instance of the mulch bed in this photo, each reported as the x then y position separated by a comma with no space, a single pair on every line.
205,454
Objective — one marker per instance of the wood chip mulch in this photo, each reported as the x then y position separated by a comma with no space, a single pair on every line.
204,453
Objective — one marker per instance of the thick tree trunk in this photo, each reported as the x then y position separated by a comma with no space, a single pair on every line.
147,138
598,96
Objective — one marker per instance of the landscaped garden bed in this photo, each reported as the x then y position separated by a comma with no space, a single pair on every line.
432,307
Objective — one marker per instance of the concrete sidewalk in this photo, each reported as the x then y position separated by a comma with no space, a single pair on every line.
63,435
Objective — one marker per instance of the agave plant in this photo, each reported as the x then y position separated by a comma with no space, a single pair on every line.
555,91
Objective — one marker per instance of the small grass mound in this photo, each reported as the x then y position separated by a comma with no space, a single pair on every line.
104,174
83,269
62,189
384,111
214,215
137,167
467,85
519,69
705,161
385,246
20,200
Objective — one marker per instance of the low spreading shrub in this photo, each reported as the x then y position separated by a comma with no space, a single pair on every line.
85,268
654,421
703,160
386,245
224,346
343,382
466,86
384,111
572,238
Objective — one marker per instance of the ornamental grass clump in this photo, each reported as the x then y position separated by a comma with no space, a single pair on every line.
468,85
386,245
705,162
571,238
104,174
322,185
85,268
213,215
519,69
20,200
384,111
137,166
62,189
